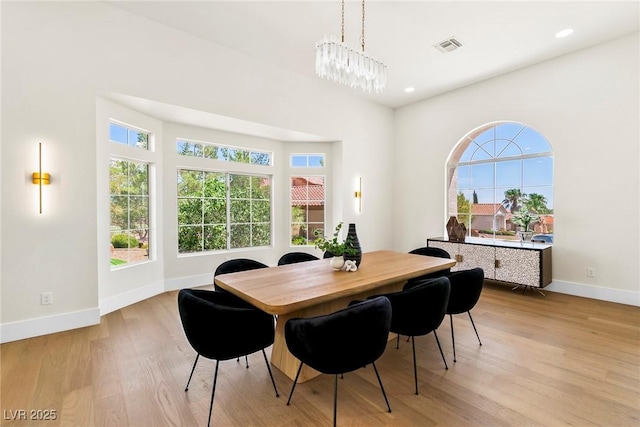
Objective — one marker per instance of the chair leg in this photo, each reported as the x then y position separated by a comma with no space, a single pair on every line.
335,399
270,374
415,367
213,392
246,361
381,387
398,341
192,369
439,347
293,387
453,339
474,327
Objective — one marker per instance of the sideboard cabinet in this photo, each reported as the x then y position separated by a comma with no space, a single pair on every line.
525,264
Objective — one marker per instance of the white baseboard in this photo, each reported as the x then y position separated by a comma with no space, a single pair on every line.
108,305
595,292
63,322
30,328
188,282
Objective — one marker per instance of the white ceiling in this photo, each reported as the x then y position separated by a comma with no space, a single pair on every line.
497,36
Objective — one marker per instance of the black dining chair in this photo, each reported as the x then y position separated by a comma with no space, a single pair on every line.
418,311
341,342
295,257
221,327
435,252
466,287
234,266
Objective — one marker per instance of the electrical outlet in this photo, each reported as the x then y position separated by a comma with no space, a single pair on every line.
46,298
591,272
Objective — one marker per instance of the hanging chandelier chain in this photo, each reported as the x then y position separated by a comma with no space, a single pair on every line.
363,25
342,21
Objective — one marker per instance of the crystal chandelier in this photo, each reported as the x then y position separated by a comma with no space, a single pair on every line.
337,61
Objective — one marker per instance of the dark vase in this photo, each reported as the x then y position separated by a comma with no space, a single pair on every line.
352,239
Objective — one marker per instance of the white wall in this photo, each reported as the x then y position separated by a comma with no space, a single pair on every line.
587,105
56,58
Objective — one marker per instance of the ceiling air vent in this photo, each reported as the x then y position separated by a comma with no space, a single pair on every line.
448,45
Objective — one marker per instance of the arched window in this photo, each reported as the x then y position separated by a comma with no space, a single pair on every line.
498,172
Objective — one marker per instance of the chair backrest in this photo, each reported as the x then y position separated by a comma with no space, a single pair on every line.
342,341
218,326
427,251
420,309
466,286
327,254
295,257
435,252
235,265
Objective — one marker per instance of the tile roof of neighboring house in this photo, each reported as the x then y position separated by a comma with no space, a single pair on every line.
307,195
487,208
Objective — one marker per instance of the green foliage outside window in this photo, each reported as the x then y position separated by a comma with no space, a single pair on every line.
129,204
202,211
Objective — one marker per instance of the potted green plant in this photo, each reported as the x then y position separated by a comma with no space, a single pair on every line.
524,219
335,246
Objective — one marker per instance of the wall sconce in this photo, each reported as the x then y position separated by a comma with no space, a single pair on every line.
40,178
358,194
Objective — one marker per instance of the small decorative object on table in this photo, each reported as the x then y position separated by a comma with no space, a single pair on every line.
456,230
339,249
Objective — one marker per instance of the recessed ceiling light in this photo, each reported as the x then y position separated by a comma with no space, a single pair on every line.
564,33
409,89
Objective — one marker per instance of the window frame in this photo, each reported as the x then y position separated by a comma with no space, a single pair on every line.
454,166
134,154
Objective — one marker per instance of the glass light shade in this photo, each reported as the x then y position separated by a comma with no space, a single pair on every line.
341,63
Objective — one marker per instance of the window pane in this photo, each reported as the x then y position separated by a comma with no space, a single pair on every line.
119,213
138,178
117,133
190,183
215,184
261,234
239,186
240,236
307,207
298,161
129,211
238,155
532,142
260,187
240,211
260,211
316,161
509,174
189,211
215,211
260,159
189,239
215,237
138,139
537,171
509,131
482,175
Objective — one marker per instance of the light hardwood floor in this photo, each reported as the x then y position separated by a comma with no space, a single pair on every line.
545,361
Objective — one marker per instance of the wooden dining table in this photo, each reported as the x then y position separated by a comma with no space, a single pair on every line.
313,288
